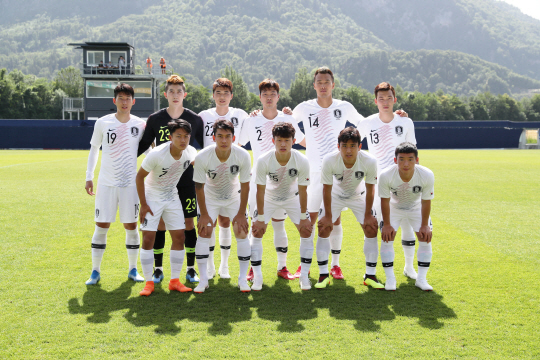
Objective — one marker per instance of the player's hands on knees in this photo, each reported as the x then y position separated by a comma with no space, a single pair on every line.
370,222
241,222
145,209
204,225
90,187
258,228
425,234
307,225
324,223
388,233
402,113
287,110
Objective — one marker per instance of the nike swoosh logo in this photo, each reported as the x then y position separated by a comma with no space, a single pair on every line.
112,129
163,127
373,130
258,127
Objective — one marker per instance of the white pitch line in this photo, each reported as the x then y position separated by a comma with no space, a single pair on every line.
39,162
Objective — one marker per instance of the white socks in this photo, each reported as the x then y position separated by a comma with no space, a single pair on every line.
225,245
201,254
133,243
387,258
424,259
323,249
177,260
243,250
211,246
407,242
371,252
306,254
99,242
147,263
281,243
256,256
336,238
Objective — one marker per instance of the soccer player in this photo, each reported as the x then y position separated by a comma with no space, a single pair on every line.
384,131
282,180
343,174
118,135
258,132
406,191
164,165
222,92
222,174
157,130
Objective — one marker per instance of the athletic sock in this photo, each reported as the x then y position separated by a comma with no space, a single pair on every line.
191,241
256,256
147,260
211,246
371,252
408,251
336,238
281,243
159,244
323,250
243,250
99,243
306,254
177,260
201,254
424,259
387,258
225,245
133,242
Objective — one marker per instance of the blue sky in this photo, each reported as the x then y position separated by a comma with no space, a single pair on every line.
529,7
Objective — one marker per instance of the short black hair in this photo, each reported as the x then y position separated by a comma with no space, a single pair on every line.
349,133
124,88
176,124
407,148
284,130
224,125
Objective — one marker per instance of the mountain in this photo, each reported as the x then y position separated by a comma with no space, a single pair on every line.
459,46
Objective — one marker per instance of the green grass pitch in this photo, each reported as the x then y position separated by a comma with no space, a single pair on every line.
485,272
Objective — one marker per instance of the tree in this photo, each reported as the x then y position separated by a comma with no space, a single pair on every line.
240,88
302,87
70,81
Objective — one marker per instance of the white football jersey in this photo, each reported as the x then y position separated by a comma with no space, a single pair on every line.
282,181
119,143
383,138
221,178
406,195
258,132
347,182
210,116
165,171
322,127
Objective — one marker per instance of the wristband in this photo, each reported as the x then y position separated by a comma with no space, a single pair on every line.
303,216
260,217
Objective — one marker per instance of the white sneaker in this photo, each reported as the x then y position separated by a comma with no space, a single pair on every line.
423,285
200,288
224,273
410,273
257,284
211,270
390,284
305,284
243,285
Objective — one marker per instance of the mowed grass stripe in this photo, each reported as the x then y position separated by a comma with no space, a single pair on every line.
485,304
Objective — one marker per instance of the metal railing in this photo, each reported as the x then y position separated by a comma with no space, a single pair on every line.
71,105
129,69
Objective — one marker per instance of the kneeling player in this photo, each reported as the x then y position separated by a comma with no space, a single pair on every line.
285,172
342,175
219,192
159,199
406,190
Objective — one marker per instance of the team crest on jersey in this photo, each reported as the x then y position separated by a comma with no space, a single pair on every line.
235,169
337,114
399,130
339,177
97,213
134,131
359,174
416,189
234,121
186,164
293,172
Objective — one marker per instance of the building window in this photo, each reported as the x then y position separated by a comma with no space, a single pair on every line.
105,89
114,57
93,58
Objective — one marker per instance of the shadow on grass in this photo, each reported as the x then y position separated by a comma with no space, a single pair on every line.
223,305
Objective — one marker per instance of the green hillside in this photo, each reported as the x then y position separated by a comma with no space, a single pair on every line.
365,42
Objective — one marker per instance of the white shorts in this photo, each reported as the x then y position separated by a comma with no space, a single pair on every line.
290,207
413,217
279,214
110,198
227,208
314,192
170,211
358,207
